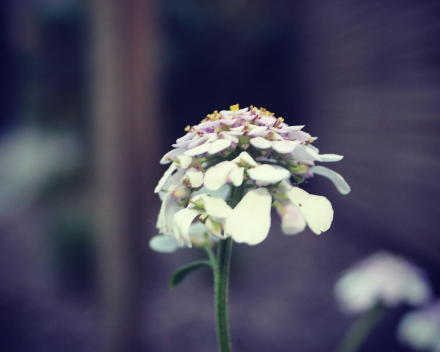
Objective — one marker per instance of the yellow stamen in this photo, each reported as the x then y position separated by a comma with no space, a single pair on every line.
187,128
234,107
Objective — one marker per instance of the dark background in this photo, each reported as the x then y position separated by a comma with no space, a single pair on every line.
95,92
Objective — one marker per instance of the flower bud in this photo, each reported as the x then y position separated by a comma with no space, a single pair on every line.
181,192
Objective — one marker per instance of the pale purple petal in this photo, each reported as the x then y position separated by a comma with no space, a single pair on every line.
197,141
187,137
166,159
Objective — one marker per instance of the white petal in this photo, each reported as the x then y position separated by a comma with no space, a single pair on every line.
182,222
218,175
197,233
181,144
292,221
219,145
311,146
222,192
317,210
244,157
187,137
185,161
197,141
201,149
168,208
299,136
165,177
229,113
249,222
217,208
164,244
237,129
214,228
260,143
234,139
236,176
232,133
331,157
228,121
207,124
212,137
337,179
166,159
285,129
268,174
257,130
305,153
195,177
267,120
283,147
276,136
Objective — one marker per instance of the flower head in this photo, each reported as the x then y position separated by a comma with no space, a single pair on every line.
381,279
421,329
251,152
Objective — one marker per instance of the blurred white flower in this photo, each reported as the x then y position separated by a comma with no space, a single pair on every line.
383,279
29,158
252,149
421,329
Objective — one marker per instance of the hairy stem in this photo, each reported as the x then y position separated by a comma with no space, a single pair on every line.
221,274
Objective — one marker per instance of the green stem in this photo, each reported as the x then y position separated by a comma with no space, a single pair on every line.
211,255
221,274
221,278
359,331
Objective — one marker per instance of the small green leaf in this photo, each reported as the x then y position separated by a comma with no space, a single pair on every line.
182,272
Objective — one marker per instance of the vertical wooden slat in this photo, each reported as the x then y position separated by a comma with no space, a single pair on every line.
123,49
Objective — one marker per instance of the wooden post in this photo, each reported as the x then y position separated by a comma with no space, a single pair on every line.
124,114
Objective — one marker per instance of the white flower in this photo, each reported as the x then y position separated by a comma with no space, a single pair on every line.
421,329
382,278
248,152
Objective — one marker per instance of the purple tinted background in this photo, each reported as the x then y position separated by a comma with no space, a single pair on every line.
76,273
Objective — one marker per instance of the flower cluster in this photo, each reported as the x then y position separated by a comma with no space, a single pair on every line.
381,279
247,156
421,329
